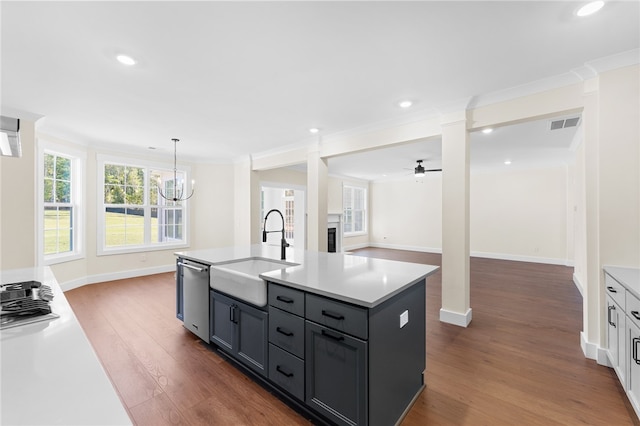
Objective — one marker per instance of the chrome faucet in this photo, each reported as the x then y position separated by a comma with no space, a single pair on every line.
283,243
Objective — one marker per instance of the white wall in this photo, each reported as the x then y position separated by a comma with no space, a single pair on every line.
407,214
518,214
211,213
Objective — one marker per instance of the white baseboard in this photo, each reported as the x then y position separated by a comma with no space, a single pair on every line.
520,258
594,352
578,284
455,318
486,255
355,246
112,276
405,247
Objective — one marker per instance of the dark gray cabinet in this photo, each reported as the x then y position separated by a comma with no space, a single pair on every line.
336,375
241,330
286,339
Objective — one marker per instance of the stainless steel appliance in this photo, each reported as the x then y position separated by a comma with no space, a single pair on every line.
195,288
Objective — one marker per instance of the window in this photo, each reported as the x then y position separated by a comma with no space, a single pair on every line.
354,202
60,203
134,217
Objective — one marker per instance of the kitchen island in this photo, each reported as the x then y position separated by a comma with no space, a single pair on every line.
341,337
49,372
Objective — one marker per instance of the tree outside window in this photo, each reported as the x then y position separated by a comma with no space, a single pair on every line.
58,206
135,215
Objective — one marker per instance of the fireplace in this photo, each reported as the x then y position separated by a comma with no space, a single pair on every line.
334,233
331,239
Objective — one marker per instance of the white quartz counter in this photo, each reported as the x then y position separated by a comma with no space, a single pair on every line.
359,280
628,277
49,372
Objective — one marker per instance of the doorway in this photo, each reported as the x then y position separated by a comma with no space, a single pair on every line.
290,201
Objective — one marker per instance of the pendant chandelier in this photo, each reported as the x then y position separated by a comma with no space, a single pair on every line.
178,195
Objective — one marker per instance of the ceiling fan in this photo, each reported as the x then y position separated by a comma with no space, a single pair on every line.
420,171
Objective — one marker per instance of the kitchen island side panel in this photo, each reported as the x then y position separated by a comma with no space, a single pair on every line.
397,355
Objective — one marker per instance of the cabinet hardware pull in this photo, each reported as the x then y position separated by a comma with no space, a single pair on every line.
635,342
281,371
284,299
612,290
610,308
332,335
636,314
283,331
332,315
195,268
232,314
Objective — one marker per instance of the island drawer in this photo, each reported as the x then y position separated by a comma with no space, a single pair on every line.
614,289
287,299
633,308
287,371
337,315
286,331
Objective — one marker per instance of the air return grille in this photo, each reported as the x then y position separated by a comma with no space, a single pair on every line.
563,124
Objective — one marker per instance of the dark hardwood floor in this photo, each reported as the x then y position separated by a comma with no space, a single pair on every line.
518,363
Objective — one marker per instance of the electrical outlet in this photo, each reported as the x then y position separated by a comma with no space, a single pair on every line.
404,318
143,257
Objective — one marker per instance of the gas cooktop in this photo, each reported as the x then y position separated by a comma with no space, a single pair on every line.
24,303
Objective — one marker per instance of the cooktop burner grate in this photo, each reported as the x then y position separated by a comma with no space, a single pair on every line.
25,302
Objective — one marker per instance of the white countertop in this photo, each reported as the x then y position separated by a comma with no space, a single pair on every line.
359,280
628,277
49,372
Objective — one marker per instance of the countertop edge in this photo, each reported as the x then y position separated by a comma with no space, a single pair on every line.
628,277
347,299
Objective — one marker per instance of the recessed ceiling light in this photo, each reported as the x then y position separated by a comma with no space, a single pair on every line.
487,131
405,104
590,8
314,130
507,162
126,60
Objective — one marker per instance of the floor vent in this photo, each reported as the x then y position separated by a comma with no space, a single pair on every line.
563,124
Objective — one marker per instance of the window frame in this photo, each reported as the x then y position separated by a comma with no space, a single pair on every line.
365,210
77,204
147,245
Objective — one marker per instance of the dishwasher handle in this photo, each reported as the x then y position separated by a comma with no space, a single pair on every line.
195,268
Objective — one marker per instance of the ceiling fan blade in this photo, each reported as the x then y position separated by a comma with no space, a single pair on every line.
433,170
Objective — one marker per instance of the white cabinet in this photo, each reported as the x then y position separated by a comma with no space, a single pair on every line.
616,338
633,378
623,329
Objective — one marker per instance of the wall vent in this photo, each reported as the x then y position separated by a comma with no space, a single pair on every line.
563,124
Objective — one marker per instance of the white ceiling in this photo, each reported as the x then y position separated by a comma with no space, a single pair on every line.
232,79
524,145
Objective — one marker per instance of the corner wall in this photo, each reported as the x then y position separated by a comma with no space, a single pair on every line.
517,214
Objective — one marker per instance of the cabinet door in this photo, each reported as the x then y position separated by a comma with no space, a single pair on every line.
612,332
633,379
252,336
616,339
222,324
336,375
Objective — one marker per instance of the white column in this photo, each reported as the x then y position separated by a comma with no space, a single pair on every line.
455,220
317,179
591,300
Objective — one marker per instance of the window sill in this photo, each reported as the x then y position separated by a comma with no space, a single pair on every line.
140,249
354,234
62,258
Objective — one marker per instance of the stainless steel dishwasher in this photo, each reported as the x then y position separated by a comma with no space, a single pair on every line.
195,290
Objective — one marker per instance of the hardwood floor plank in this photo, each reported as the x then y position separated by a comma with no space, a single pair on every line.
519,361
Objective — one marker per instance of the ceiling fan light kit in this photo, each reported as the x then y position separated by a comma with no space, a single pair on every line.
420,171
